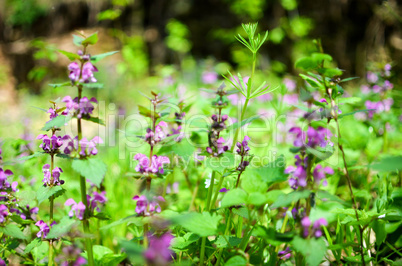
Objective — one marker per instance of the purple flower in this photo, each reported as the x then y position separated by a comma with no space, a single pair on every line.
71,256
172,188
88,73
315,137
74,72
155,167
224,190
52,144
96,200
289,84
2,262
47,180
3,178
219,147
3,212
81,108
382,106
78,208
159,133
209,77
158,252
285,254
43,228
371,77
319,174
146,207
316,229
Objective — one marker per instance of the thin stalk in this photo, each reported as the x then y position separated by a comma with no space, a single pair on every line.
207,208
218,261
285,221
217,191
51,253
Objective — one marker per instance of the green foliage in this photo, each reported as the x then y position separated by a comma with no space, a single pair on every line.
203,224
61,228
177,36
13,230
45,193
92,169
312,249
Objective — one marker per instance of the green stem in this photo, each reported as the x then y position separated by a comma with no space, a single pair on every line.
217,191
50,263
218,261
285,221
207,208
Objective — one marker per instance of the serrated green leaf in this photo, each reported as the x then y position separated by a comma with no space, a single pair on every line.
227,241
13,230
44,193
91,40
234,197
98,57
33,244
92,168
62,228
36,154
56,122
203,224
257,199
312,249
388,164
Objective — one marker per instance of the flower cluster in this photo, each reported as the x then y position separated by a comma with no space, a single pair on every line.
154,137
144,165
4,184
50,144
76,208
299,173
312,138
145,206
87,147
81,108
52,178
285,254
218,147
44,228
314,230
378,82
95,201
86,75
159,252
242,150
379,107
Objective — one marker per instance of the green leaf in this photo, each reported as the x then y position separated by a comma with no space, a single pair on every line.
77,40
271,235
92,168
257,199
57,85
352,113
388,164
69,55
62,228
330,72
13,230
98,57
227,241
220,164
236,261
144,111
96,120
319,57
36,154
306,63
33,244
246,121
234,197
380,231
312,249
183,148
312,81
19,220
181,243
286,199
129,219
91,40
56,122
44,193
203,224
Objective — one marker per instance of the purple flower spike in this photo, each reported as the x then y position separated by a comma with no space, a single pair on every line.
224,190
43,228
145,207
78,208
3,212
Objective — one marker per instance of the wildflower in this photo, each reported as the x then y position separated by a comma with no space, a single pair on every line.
158,252
50,145
155,167
86,74
145,206
315,137
172,188
316,229
219,147
209,77
319,174
371,77
80,108
285,254
224,190
3,178
88,147
378,107
96,200
74,72
43,228
52,179
3,212
78,208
